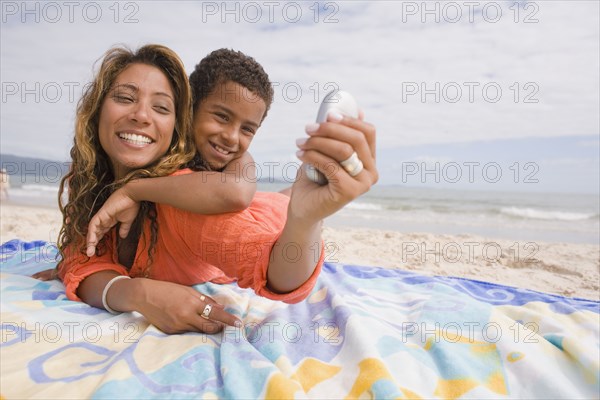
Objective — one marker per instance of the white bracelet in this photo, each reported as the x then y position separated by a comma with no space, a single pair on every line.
105,292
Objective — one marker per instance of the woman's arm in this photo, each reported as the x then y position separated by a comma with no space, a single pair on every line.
171,307
328,144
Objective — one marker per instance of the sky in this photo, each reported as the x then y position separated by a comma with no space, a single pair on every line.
469,94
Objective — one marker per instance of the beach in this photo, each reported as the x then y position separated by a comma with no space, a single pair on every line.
566,269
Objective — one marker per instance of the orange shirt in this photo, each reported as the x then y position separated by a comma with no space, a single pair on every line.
194,248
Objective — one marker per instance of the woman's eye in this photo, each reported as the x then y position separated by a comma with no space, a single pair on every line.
222,116
163,109
122,99
249,131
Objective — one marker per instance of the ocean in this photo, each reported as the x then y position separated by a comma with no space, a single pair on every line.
550,217
522,216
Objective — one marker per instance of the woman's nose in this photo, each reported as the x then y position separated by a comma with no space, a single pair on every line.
140,113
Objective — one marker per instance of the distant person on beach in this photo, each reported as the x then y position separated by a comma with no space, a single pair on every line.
4,184
133,122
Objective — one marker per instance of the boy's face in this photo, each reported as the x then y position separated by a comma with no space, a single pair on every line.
225,123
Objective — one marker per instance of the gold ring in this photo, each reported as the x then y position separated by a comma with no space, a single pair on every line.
352,165
206,313
202,297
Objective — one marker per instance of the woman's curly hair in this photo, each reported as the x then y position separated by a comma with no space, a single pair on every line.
90,180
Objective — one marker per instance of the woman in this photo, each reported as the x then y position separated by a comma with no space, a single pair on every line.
131,121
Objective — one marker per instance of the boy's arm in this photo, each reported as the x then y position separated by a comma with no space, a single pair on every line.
202,192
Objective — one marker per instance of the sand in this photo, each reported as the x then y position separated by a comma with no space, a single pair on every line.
565,269
29,223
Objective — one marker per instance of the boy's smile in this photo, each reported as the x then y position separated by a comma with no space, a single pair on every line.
225,123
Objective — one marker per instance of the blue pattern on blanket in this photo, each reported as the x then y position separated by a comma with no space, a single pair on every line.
363,331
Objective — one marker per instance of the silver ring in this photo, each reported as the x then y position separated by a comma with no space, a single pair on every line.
206,313
352,165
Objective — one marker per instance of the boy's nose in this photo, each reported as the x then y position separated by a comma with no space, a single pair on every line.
230,135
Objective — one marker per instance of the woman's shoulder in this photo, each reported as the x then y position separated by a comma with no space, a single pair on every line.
183,171
269,208
270,198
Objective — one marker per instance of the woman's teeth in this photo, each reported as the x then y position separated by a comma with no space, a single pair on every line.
135,139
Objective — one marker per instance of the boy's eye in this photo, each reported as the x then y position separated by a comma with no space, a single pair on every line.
222,116
249,131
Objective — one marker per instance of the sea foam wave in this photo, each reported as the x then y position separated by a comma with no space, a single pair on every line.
29,187
533,213
364,206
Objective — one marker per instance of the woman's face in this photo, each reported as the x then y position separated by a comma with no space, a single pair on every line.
137,118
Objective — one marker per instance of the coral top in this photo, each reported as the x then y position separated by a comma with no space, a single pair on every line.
194,248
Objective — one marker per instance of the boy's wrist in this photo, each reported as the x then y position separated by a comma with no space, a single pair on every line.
133,189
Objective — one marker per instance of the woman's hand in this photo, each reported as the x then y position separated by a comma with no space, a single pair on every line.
328,144
175,308
46,275
171,307
119,207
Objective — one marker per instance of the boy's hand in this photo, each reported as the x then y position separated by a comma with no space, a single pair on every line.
119,207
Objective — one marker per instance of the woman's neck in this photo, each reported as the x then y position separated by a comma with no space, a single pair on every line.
127,248
120,172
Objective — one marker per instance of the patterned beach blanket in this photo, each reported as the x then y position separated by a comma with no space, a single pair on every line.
364,332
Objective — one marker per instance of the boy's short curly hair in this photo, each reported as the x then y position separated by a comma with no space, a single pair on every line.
226,65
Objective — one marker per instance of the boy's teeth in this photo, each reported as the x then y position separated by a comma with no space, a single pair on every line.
221,150
134,138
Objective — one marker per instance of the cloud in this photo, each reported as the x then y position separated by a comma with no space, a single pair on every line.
515,79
